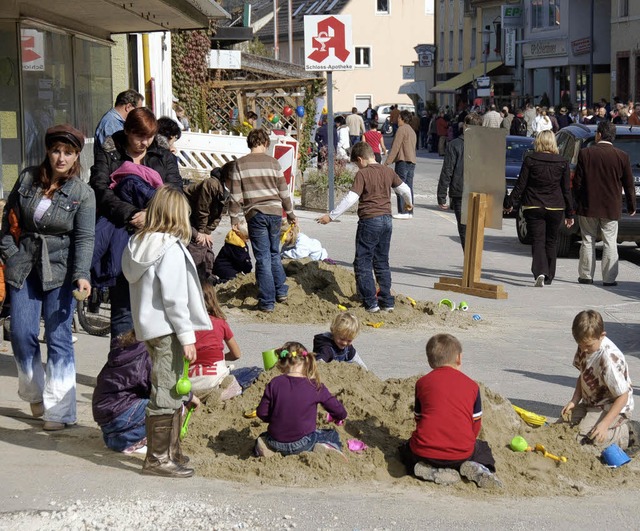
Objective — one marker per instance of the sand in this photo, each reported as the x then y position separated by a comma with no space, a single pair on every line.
221,439
315,291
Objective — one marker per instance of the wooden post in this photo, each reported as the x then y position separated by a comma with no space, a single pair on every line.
472,270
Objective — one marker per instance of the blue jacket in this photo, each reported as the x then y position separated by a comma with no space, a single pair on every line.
60,245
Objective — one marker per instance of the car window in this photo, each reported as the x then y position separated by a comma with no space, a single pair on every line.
568,146
516,150
631,146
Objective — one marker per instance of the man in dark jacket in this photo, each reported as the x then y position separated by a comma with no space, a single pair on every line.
452,175
601,174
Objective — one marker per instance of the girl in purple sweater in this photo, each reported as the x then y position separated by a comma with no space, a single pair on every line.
290,406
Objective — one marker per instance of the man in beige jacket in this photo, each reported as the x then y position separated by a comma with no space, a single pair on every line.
403,153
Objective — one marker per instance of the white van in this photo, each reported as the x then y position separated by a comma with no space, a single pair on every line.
384,109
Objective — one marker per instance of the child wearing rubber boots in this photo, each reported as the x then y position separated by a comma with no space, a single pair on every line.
448,414
603,398
167,306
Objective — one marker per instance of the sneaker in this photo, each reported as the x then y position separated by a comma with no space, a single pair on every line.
373,309
480,474
262,449
440,476
539,281
327,448
388,309
402,216
585,280
265,309
37,409
51,425
282,298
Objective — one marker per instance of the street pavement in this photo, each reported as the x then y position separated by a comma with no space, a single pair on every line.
522,348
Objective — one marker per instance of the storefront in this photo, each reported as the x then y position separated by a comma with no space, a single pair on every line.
57,68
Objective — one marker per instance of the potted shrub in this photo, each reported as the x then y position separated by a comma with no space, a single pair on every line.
315,189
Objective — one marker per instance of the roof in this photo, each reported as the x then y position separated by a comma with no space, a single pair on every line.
262,15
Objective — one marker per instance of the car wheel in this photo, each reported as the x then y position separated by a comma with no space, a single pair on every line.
565,239
521,228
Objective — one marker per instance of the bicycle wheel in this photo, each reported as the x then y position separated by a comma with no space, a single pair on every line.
94,314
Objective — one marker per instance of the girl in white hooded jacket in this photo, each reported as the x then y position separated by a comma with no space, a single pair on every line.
168,307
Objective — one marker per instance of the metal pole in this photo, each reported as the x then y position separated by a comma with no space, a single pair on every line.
276,47
589,101
331,151
290,24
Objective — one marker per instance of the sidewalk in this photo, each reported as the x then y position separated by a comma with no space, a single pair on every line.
522,348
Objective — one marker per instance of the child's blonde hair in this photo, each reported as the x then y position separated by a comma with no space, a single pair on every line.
211,299
443,349
293,353
289,234
588,324
168,212
345,325
242,230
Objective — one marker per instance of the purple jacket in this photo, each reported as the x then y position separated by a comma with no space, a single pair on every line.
290,406
125,379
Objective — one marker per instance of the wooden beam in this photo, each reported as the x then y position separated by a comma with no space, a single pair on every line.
254,85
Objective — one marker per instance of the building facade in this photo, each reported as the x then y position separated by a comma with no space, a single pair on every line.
57,65
625,49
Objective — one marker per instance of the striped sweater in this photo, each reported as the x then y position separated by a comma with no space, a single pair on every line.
258,185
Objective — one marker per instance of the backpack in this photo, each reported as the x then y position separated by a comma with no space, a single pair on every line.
518,127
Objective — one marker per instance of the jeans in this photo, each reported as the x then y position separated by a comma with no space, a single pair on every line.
54,385
544,226
589,228
405,172
121,318
456,206
354,139
127,428
305,444
264,233
373,240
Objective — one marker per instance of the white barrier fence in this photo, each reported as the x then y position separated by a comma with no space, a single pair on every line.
201,152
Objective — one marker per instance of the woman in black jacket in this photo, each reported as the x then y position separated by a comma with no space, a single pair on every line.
543,189
136,143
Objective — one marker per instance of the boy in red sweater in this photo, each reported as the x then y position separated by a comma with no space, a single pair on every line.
448,412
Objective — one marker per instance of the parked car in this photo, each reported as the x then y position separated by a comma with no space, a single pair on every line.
571,140
517,148
384,110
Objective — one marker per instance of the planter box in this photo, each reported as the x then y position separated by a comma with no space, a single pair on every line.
317,198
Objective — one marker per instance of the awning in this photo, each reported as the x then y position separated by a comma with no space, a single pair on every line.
453,84
414,87
104,17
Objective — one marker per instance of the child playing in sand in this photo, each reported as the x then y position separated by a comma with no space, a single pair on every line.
290,406
448,412
373,237
233,258
336,345
296,245
209,369
167,308
603,399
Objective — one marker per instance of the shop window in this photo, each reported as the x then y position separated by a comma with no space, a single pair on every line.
47,87
93,97
10,130
623,8
363,56
545,13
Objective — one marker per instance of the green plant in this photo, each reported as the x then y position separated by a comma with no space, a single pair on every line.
257,47
313,90
343,175
189,52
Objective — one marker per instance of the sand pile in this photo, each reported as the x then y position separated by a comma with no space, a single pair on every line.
315,291
221,440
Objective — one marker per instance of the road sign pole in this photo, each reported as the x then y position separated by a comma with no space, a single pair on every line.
331,152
